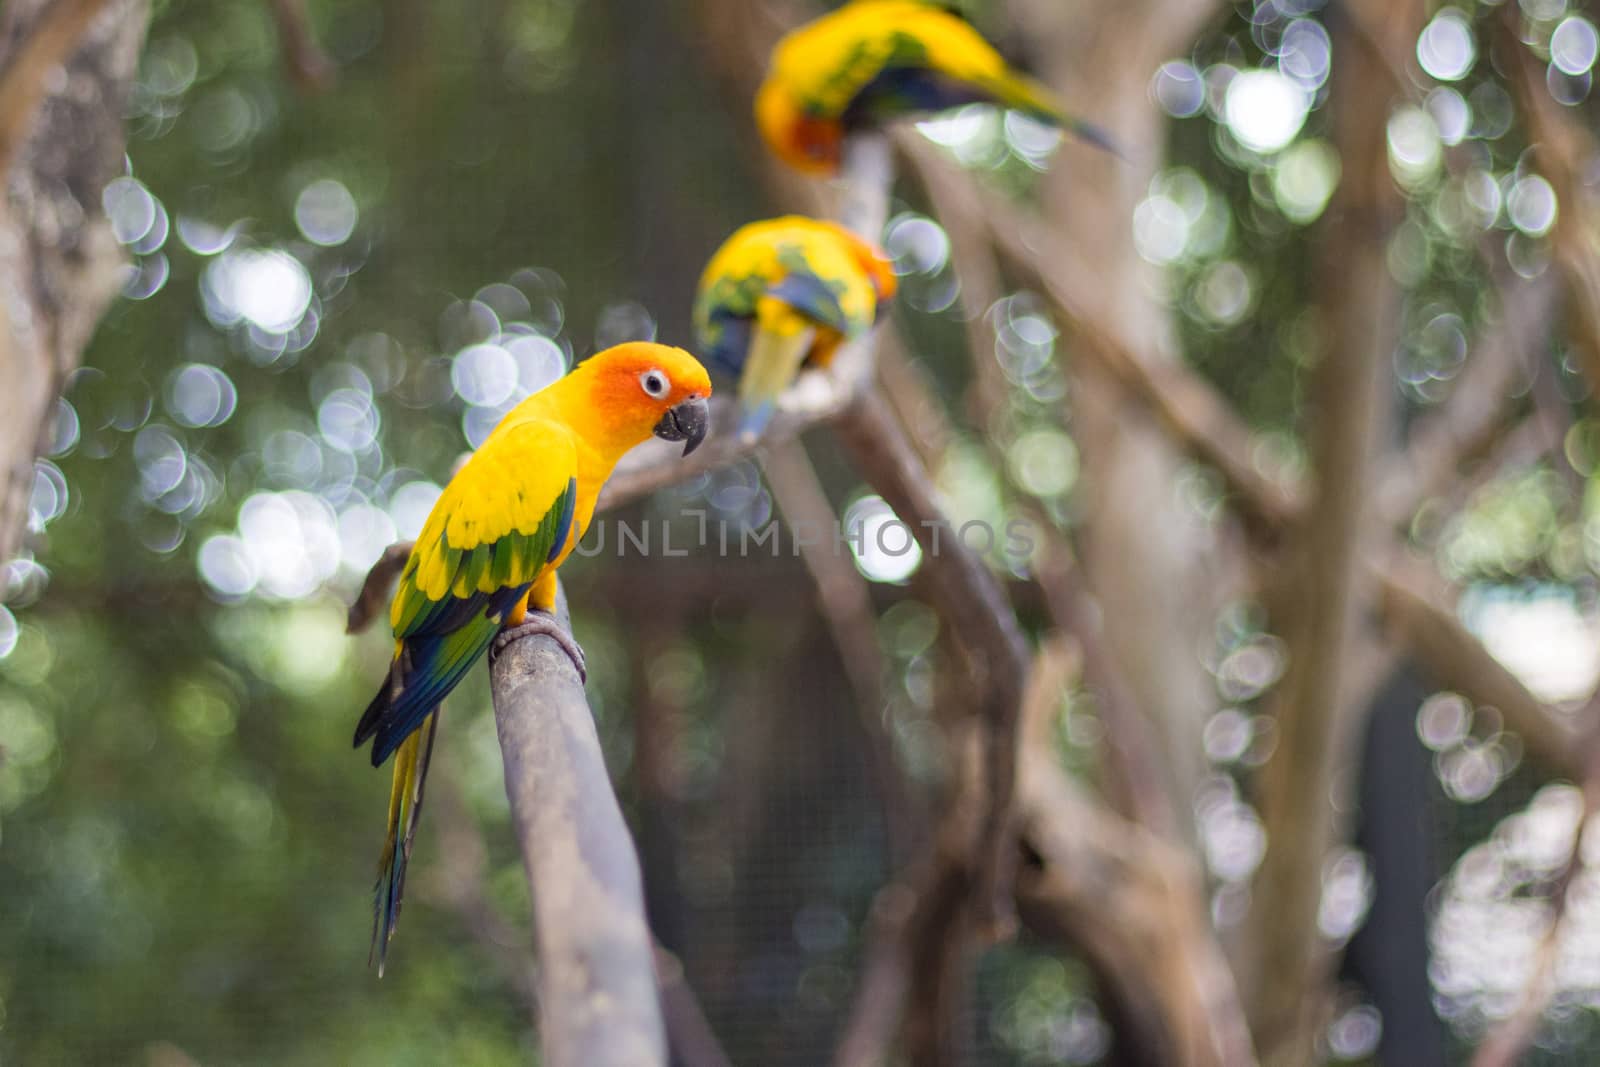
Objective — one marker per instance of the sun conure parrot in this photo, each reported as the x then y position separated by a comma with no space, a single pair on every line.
784,293
483,570
871,61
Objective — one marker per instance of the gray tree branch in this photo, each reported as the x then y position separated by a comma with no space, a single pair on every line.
598,997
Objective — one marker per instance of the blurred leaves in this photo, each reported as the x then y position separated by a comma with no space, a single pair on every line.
332,297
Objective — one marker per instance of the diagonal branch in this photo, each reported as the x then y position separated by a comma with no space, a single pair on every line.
1417,606
1131,901
1472,418
1192,409
656,465
1504,1046
970,601
309,67
846,603
694,1042
1143,791
1565,152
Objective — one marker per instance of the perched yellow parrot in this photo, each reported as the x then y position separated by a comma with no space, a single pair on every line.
875,60
484,568
782,293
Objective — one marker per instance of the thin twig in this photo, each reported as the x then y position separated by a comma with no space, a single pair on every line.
694,1042
1473,417
373,600
1564,151
968,892
880,993
969,599
846,604
309,67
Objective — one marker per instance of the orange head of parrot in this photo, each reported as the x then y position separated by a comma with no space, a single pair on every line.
808,144
642,388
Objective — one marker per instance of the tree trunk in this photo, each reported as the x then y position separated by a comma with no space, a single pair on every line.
68,69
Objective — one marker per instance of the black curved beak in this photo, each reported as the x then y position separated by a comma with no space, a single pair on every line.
687,422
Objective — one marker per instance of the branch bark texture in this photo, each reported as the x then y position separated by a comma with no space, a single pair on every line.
61,141
598,997
1316,601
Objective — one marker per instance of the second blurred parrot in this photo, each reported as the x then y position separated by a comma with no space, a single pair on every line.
485,562
875,60
783,293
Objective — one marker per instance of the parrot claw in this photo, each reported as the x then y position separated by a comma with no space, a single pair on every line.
541,622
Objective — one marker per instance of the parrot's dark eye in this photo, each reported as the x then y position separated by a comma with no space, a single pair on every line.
655,384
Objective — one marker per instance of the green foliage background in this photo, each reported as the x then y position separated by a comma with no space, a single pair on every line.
186,839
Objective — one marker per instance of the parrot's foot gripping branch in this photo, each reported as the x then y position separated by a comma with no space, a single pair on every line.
541,622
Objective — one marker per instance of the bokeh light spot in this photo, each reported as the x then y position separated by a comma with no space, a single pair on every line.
1265,110
48,500
1446,48
409,508
130,208
917,244
484,374
226,567
884,548
1415,149
199,394
1573,45
9,631
325,212
1044,462
1531,206
1304,179
1179,89
348,420
267,289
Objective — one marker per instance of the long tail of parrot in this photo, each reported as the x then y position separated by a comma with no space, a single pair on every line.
1024,94
405,807
402,720
778,346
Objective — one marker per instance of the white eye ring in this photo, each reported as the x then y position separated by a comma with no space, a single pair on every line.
655,384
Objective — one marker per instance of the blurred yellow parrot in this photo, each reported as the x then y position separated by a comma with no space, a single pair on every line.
875,60
783,293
